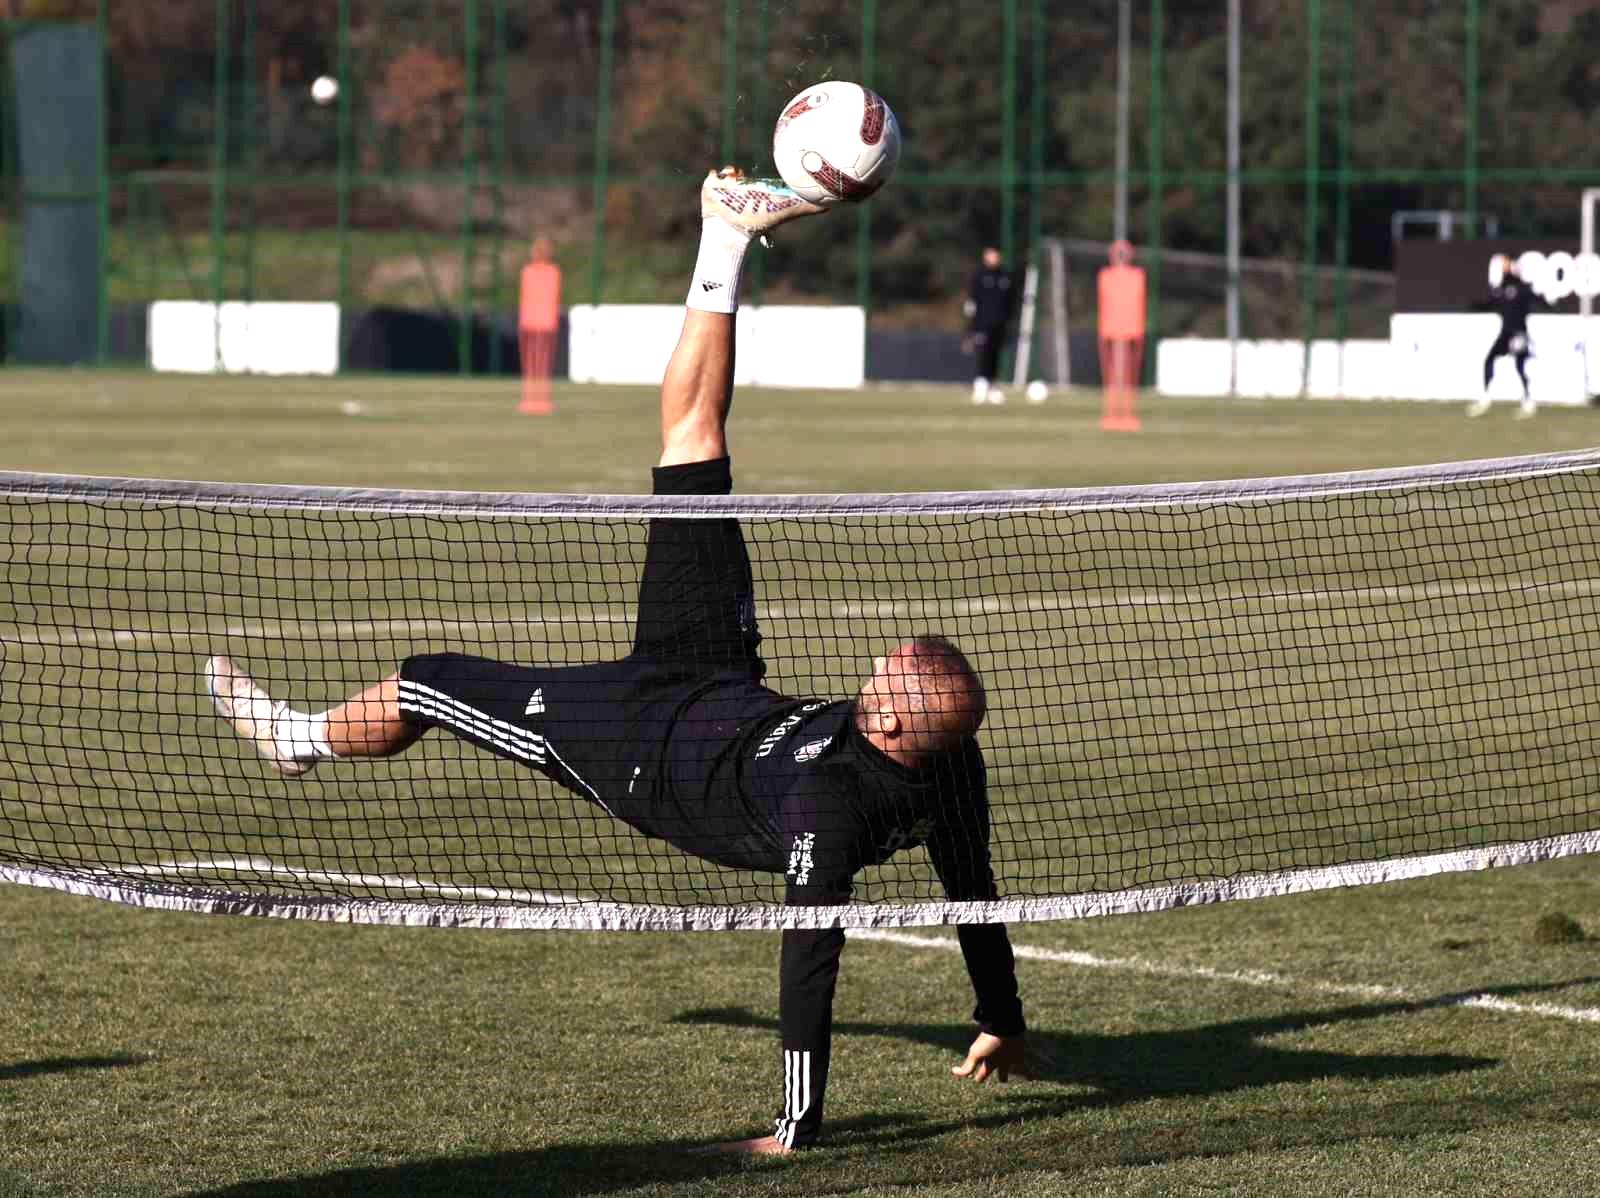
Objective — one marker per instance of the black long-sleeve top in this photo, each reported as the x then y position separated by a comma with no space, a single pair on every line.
991,299
761,781
1512,300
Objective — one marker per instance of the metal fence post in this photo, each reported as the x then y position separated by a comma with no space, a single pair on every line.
730,82
1342,249
1313,180
602,148
1157,183
342,176
498,150
1008,131
219,176
469,184
869,72
102,336
1470,172
764,122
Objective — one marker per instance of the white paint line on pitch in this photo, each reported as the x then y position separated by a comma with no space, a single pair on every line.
884,609
1249,977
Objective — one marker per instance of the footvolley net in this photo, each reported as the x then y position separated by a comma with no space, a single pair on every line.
1196,692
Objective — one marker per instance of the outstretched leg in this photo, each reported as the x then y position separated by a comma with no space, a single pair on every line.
696,394
370,724
367,725
697,388
696,593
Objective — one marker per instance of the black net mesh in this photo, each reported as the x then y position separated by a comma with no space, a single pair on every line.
1185,685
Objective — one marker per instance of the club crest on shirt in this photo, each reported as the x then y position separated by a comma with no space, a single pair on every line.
811,750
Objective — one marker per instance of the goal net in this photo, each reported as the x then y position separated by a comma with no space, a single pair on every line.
1277,300
1196,692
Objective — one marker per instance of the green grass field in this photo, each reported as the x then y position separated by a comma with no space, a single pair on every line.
1400,1039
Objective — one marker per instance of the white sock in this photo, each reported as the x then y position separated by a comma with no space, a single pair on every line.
301,736
715,285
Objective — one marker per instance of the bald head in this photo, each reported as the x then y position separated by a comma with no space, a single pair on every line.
923,698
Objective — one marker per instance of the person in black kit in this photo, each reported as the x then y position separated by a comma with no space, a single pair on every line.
990,302
680,740
1512,299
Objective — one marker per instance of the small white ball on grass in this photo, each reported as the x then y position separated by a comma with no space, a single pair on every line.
325,89
1037,391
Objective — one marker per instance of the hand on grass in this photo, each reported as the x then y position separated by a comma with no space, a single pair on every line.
994,1056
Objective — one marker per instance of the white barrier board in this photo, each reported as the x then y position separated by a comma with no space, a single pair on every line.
1440,356
776,345
1269,369
1436,356
194,337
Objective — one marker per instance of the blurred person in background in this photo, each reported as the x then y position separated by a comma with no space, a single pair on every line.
991,299
1512,299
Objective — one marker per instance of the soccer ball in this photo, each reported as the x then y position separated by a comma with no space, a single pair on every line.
836,141
325,89
1038,391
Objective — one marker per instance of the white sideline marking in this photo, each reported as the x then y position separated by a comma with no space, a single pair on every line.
874,609
1250,977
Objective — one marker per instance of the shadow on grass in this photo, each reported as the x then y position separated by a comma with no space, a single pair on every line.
22,1069
554,1172
1211,1059
1205,1060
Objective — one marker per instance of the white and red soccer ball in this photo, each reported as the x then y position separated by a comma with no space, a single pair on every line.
836,141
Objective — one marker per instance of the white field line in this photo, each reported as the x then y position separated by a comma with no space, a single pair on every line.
1248,977
882,609
1245,977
